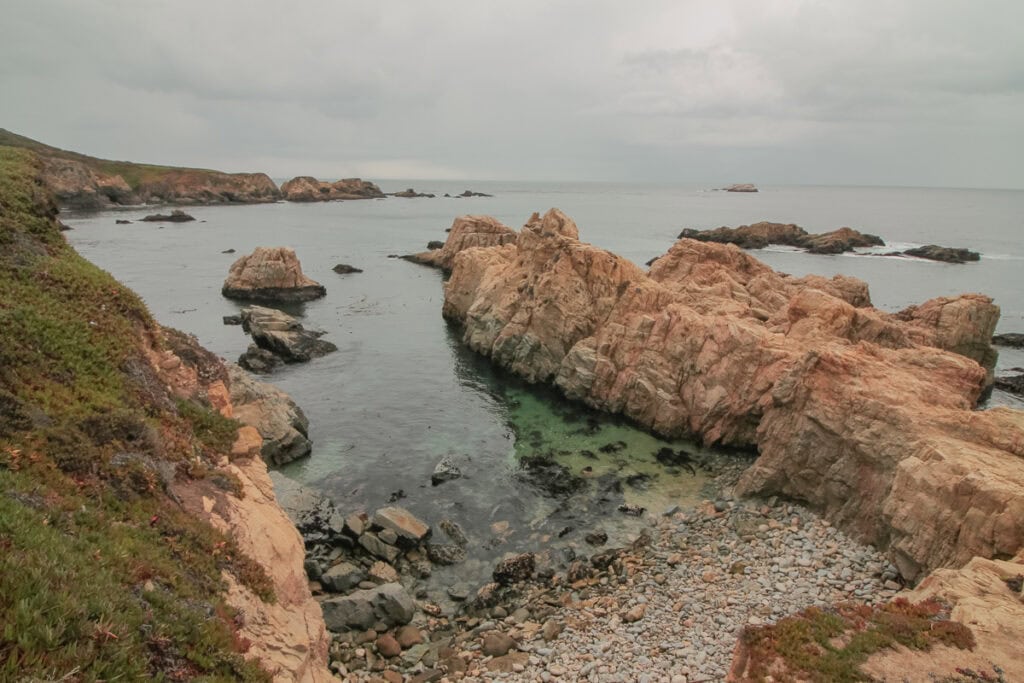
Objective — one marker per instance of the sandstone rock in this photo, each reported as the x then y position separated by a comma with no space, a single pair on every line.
410,530
176,216
78,185
864,415
387,646
467,232
933,252
273,413
271,274
389,603
283,335
308,189
741,187
760,235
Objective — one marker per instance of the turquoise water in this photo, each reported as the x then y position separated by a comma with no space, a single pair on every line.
402,392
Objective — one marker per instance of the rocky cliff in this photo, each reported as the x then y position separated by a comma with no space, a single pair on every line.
866,416
139,533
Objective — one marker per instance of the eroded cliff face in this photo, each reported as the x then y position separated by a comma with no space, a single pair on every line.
865,415
287,636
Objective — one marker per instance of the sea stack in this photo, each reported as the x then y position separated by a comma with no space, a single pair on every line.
270,274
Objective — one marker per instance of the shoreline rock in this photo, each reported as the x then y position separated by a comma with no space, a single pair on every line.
411,194
309,189
741,187
1014,340
933,252
281,423
283,336
270,274
176,216
760,235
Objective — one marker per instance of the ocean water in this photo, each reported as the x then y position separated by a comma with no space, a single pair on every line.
401,392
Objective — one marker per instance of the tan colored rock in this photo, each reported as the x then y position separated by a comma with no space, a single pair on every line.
861,414
467,232
309,189
280,422
270,274
76,184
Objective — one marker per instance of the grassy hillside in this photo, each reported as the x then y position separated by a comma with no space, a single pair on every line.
102,575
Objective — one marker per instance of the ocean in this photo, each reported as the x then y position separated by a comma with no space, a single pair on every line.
401,392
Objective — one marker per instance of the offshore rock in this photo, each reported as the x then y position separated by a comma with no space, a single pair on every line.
1011,339
741,187
281,423
760,235
467,232
176,216
283,335
309,189
934,252
270,274
864,415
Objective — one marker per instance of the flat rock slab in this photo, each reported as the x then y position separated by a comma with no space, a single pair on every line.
406,525
389,603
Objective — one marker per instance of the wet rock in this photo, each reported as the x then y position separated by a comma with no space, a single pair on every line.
514,569
176,216
933,252
596,538
411,194
633,510
554,479
445,554
410,530
341,577
435,244
408,636
389,604
446,470
454,532
270,274
283,335
232,320
1011,383
471,193
259,360
228,251
459,592
1012,339
345,269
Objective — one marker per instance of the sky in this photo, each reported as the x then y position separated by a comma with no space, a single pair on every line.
836,92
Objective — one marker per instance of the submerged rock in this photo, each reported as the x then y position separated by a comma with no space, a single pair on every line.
176,216
270,274
866,415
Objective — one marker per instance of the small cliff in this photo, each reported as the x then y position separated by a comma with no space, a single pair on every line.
139,532
867,416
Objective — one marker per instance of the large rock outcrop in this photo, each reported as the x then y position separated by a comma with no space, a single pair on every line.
466,232
277,333
271,274
760,235
281,423
309,189
866,416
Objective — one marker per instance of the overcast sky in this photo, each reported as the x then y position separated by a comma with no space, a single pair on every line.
923,93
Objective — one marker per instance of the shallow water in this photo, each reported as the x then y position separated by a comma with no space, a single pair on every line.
402,392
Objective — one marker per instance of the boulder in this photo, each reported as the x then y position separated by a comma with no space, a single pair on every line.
283,335
1011,383
309,189
345,269
840,241
1012,339
281,423
754,236
259,360
741,187
471,193
410,530
445,470
176,216
342,577
389,603
310,511
445,554
121,221
411,194
934,252
865,416
378,548
466,232
270,274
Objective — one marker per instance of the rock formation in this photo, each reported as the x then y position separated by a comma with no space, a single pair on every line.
466,232
864,415
280,422
271,274
741,187
176,216
1012,339
934,252
309,189
760,235
283,336
412,194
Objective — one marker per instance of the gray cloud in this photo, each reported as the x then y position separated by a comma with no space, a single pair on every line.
773,91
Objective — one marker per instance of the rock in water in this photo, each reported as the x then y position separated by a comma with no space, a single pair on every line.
741,187
446,470
1011,339
271,274
176,216
281,423
345,269
283,335
865,415
411,531
308,189
934,252
466,232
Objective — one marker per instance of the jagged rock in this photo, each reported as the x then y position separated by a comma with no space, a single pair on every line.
435,244
121,221
411,194
270,274
283,335
310,511
1011,383
378,548
345,269
308,189
281,423
388,603
454,532
840,241
410,530
446,470
515,569
471,193
760,235
259,360
176,216
342,577
445,554
1011,339
741,187
933,252
466,232
864,415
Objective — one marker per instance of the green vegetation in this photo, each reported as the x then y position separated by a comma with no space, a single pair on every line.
828,646
103,576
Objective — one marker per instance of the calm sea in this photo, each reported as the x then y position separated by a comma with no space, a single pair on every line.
401,392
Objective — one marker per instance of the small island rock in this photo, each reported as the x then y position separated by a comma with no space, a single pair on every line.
176,216
271,274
